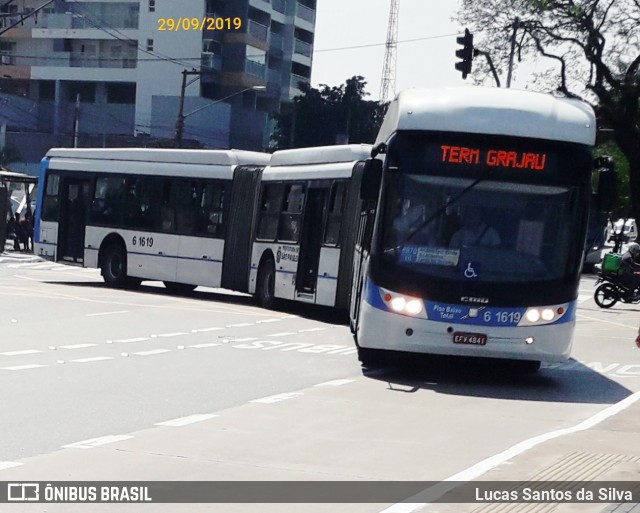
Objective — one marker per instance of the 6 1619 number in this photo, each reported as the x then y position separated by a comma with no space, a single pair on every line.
143,242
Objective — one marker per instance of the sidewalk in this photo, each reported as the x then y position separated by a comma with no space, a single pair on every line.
608,451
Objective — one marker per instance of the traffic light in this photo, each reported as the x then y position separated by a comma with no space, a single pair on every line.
466,53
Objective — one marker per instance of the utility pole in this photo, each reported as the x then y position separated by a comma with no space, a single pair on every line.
181,116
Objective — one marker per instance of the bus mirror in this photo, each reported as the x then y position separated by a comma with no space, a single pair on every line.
606,193
371,179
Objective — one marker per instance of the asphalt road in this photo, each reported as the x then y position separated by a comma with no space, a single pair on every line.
143,385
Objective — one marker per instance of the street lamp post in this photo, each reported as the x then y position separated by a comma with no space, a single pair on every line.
182,116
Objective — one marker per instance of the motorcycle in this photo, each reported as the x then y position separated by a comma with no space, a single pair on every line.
613,290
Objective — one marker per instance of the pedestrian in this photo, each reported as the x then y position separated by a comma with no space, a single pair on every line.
15,228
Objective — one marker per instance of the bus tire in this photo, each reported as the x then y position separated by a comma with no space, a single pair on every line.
114,267
606,295
265,287
179,288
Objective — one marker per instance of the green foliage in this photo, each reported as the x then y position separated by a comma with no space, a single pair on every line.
328,116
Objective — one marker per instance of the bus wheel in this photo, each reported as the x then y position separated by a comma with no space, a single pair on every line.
605,295
265,288
114,267
179,288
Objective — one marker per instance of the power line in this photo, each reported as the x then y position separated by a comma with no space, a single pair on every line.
372,45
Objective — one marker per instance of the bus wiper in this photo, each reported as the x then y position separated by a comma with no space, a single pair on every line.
443,209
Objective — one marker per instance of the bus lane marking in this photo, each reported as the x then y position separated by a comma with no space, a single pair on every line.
169,335
128,340
23,367
203,346
241,325
100,314
272,399
206,330
20,353
77,346
152,352
284,334
97,442
335,383
185,421
90,360
5,465
434,492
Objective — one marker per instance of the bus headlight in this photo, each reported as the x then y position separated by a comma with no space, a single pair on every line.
538,316
405,305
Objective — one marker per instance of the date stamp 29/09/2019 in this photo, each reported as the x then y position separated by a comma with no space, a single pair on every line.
206,23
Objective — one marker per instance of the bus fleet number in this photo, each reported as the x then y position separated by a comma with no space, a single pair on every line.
142,241
502,317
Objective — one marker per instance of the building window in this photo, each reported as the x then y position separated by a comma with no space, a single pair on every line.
149,45
121,93
46,90
152,5
86,90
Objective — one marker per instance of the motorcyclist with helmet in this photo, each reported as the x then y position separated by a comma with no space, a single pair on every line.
630,265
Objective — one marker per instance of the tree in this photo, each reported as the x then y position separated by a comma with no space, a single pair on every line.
9,154
593,47
328,116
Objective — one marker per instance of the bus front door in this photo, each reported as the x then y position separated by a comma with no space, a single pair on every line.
311,243
73,219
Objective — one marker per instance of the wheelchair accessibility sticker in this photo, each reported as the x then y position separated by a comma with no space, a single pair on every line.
471,270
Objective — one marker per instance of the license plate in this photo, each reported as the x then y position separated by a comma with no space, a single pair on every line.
475,339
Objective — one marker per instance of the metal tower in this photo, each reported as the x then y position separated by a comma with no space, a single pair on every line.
388,86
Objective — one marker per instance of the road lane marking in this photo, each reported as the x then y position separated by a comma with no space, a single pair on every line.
130,340
246,339
97,442
335,383
584,297
608,322
435,492
152,352
203,346
95,359
22,367
241,325
277,398
4,465
205,330
77,346
107,313
185,421
285,334
311,329
262,321
169,335
19,353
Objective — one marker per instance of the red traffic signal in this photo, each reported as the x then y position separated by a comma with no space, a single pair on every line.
466,53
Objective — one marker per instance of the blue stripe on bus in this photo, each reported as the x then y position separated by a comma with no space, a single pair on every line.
460,314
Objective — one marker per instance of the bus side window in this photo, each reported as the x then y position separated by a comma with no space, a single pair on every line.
107,200
210,211
167,212
334,217
185,197
291,215
270,205
50,199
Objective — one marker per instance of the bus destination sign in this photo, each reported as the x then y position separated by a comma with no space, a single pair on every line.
494,158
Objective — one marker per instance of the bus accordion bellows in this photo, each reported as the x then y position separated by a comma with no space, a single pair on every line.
277,226
473,242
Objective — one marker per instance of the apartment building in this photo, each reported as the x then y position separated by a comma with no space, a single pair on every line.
98,69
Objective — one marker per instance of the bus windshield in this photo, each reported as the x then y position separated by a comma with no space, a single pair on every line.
481,230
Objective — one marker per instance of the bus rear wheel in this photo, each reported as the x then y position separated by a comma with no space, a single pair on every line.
114,267
265,287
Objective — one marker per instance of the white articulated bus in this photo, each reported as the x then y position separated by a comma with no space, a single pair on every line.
279,226
475,245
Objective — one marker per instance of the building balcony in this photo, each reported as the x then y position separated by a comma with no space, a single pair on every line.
279,6
302,48
211,61
257,30
255,69
275,42
82,60
306,13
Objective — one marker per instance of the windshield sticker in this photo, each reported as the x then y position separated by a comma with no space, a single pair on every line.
429,255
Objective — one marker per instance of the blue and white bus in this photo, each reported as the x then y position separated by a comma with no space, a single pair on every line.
473,242
277,226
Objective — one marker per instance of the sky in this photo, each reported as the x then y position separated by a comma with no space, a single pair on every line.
426,63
